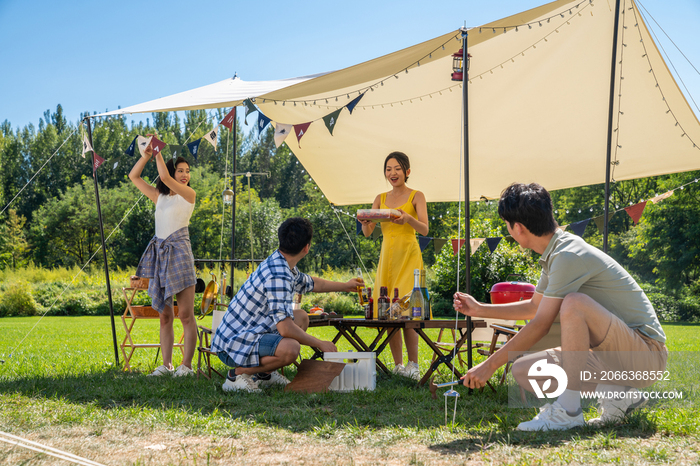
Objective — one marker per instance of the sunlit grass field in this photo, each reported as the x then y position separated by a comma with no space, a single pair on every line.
60,386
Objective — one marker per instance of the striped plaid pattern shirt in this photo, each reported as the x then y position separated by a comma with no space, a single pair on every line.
169,265
263,300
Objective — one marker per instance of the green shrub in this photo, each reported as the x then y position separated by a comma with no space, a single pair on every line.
340,303
17,300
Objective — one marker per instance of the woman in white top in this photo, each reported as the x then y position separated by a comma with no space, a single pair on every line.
168,260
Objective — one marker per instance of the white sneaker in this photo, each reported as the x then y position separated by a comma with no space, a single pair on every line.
183,371
616,408
161,371
273,378
412,371
398,369
553,417
242,382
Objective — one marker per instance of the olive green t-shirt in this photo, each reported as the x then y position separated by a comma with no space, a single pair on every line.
571,265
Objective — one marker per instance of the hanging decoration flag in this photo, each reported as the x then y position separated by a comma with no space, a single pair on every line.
331,119
579,227
263,121
114,162
157,145
176,151
510,239
600,221
96,161
562,227
132,148
228,119
457,245
211,136
635,211
281,133
87,147
193,147
376,233
661,197
300,130
143,143
493,243
423,242
474,244
353,103
358,226
249,108
438,243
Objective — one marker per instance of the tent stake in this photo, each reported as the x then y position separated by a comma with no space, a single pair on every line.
104,246
608,158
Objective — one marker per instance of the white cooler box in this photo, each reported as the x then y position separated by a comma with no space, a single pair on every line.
359,373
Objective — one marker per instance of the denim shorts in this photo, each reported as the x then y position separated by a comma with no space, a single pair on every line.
267,347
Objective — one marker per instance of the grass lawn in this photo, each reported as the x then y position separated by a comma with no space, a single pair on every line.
60,388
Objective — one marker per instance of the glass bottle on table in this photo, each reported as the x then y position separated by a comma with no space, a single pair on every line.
394,304
383,304
416,303
427,310
369,311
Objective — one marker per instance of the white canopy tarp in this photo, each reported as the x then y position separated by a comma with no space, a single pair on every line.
538,104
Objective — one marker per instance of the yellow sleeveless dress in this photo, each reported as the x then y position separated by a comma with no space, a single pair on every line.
400,254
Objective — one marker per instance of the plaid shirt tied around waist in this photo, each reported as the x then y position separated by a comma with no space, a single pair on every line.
169,264
263,300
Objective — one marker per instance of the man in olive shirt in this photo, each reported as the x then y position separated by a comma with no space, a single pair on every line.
607,322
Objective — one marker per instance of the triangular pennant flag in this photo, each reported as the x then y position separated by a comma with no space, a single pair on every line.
281,133
635,211
456,245
351,105
212,136
300,131
376,233
600,221
510,239
358,226
143,143
423,242
193,147
228,119
474,244
579,227
493,243
87,147
331,119
438,243
661,197
132,148
562,227
249,108
176,151
263,121
96,161
157,145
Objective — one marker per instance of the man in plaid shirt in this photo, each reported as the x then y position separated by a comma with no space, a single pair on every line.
260,331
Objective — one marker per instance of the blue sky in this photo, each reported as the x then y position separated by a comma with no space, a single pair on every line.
98,55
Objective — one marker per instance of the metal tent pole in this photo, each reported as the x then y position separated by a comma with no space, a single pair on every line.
233,215
608,158
104,246
467,232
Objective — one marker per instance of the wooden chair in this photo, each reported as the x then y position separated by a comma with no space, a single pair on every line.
480,336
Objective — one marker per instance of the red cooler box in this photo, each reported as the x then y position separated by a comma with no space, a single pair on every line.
510,292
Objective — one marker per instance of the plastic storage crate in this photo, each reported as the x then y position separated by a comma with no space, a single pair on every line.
359,373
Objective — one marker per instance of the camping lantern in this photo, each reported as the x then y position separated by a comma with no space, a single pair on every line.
457,66
228,196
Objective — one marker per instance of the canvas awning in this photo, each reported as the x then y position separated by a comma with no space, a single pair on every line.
538,103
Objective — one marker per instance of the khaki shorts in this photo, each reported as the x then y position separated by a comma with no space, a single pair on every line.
622,350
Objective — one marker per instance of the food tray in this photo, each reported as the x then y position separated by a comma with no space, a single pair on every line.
378,215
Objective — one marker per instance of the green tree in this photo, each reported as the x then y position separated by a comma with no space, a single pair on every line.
13,244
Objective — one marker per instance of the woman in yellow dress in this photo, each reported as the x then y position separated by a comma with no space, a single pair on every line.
400,254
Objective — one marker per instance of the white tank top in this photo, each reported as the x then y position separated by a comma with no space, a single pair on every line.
172,213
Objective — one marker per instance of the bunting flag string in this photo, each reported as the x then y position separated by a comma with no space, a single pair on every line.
97,161
143,143
157,145
423,242
457,245
300,131
331,119
635,211
212,136
132,147
263,121
358,226
493,243
193,147
87,147
228,119
600,221
579,227
176,150
248,109
281,133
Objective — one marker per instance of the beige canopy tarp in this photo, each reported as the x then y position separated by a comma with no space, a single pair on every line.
538,103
